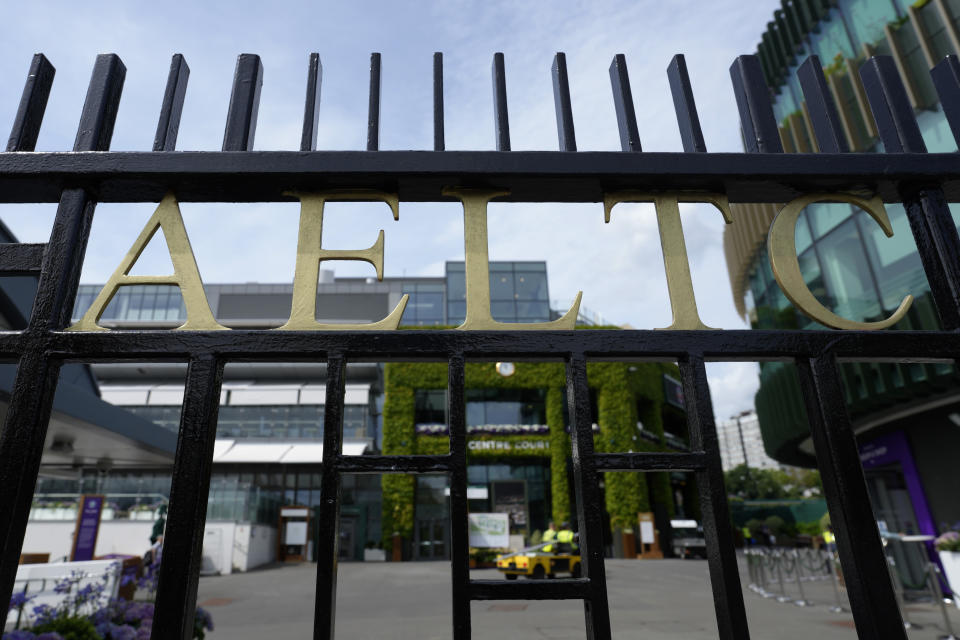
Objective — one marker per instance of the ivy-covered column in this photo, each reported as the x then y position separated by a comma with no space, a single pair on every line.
559,452
651,415
626,493
399,491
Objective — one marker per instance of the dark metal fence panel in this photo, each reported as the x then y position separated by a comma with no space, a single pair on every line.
924,182
35,384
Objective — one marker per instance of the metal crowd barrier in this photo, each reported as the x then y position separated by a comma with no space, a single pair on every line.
770,569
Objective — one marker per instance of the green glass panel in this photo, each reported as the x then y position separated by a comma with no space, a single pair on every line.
846,274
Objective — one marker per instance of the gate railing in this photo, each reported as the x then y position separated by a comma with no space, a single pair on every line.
90,174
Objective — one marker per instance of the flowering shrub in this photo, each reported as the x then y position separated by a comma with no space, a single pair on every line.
86,613
949,541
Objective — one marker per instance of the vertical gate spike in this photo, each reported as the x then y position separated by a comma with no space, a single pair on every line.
759,127
561,102
501,120
946,78
311,105
171,108
823,110
101,104
244,104
891,107
373,107
33,104
684,105
439,144
623,103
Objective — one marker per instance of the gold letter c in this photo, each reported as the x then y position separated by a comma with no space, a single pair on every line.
782,246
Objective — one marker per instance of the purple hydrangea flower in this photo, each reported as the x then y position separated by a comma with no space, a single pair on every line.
19,599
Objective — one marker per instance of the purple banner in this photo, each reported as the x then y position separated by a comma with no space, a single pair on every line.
88,526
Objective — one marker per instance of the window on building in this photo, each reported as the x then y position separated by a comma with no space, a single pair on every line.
851,290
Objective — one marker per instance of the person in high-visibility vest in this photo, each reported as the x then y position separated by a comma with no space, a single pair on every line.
829,539
747,536
550,535
565,538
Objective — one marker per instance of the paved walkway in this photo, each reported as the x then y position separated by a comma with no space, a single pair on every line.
648,599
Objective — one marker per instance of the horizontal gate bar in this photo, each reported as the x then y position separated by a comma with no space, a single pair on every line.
394,464
21,258
566,589
651,461
531,176
265,346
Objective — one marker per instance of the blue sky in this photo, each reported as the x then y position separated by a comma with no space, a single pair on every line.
618,266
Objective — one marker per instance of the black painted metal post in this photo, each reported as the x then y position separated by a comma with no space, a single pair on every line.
623,104
439,143
872,599
760,133
459,530
244,104
171,108
589,511
824,117
946,78
33,104
373,105
501,119
561,101
311,105
325,607
25,425
189,488
721,555
684,105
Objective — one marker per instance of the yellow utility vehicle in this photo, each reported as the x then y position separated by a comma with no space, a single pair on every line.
536,564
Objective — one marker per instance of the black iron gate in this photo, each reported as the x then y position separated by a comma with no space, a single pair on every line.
905,173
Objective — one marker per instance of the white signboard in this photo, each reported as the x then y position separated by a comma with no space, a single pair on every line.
646,532
491,530
296,533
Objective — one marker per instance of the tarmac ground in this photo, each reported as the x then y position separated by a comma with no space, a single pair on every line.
650,599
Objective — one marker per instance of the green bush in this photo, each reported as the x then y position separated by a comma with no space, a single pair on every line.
776,524
70,628
809,528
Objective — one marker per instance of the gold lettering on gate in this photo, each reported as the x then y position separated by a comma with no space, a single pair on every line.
185,276
683,303
303,311
782,247
477,267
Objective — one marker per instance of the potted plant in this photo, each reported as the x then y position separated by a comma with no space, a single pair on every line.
948,546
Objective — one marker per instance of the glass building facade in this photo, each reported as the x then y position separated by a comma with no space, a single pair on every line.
518,292
267,405
904,414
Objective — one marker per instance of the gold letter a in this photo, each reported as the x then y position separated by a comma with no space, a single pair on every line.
186,276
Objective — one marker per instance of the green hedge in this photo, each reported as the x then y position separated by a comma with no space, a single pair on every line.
618,386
